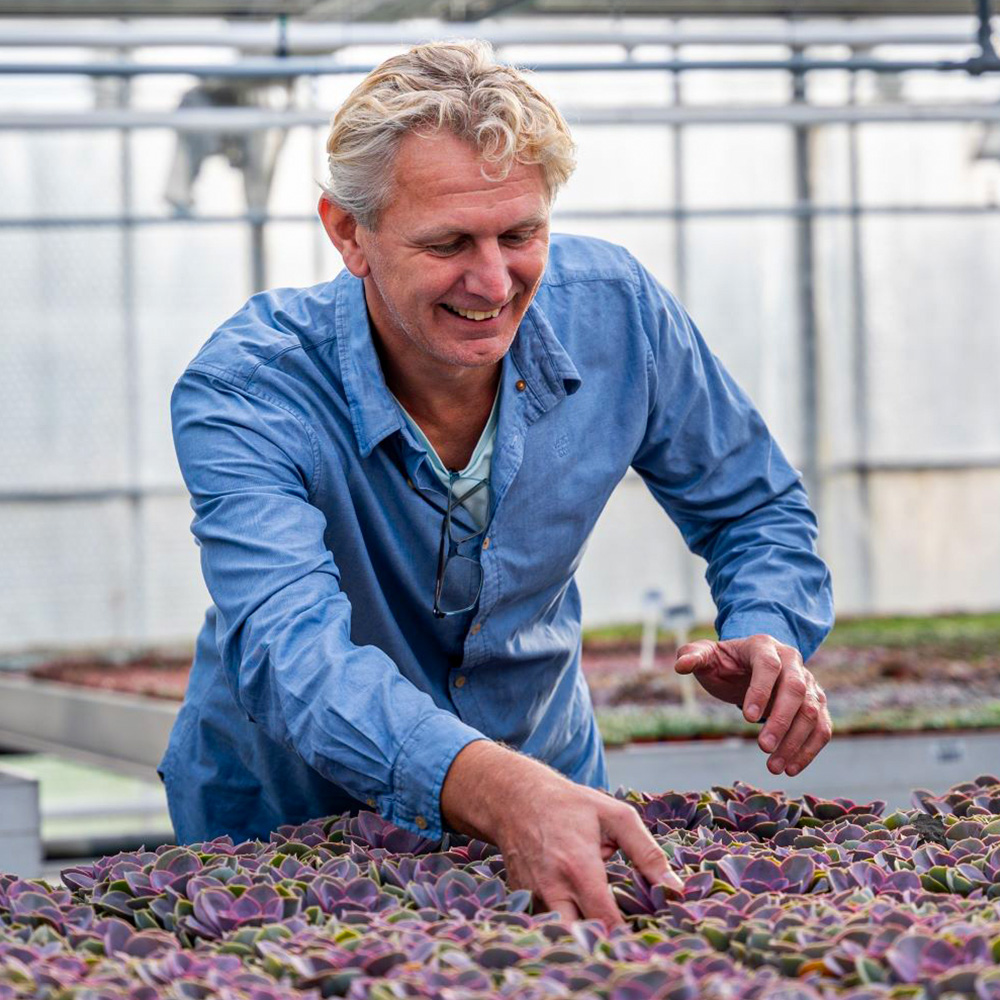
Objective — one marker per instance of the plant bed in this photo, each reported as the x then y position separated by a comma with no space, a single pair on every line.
784,898
889,675
902,675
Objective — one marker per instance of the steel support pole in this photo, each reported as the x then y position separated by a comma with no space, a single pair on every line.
806,302
859,388
134,604
688,566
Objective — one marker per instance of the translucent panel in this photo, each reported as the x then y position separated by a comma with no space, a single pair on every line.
65,575
634,549
829,150
164,93
923,164
331,91
738,165
188,280
828,88
835,324
934,353
734,87
46,93
41,175
217,189
621,167
845,542
63,388
175,595
935,541
152,154
595,89
301,166
296,254
741,293
651,243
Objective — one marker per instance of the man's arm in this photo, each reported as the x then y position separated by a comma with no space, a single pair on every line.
250,464
555,835
712,464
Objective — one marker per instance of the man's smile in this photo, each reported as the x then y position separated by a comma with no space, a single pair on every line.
474,315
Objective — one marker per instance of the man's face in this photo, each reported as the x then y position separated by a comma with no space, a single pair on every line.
449,242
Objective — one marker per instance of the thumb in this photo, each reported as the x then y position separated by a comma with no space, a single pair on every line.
694,655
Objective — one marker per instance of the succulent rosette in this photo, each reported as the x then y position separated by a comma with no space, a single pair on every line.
781,899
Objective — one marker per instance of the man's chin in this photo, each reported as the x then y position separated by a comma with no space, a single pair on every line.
477,351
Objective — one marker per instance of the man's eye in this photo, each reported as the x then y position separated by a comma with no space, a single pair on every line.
445,249
516,239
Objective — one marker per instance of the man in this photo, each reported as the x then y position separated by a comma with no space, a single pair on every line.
394,475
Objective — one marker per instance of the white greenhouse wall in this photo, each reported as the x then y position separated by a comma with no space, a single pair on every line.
104,570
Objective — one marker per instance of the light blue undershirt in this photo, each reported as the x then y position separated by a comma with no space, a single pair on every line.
478,467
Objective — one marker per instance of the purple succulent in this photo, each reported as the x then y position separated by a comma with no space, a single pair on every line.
218,911
760,814
757,875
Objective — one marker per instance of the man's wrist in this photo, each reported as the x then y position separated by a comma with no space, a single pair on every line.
477,788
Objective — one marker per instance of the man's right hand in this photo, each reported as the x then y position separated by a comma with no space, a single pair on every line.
555,835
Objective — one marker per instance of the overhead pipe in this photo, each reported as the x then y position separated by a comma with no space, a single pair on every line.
295,66
303,38
250,119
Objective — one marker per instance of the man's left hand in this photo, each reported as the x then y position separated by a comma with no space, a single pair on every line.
769,680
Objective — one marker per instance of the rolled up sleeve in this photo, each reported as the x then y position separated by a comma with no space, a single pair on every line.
251,464
711,463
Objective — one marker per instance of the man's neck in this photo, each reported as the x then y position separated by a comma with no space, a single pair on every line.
450,404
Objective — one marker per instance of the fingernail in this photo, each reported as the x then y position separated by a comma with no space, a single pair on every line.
671,880
777,765
768,742
793,769
753,713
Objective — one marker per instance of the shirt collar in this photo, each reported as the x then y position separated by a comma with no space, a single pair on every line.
374,414
540,359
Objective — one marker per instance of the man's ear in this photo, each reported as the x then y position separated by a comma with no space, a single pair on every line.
342,228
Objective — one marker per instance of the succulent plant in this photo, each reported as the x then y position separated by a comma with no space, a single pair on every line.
781,899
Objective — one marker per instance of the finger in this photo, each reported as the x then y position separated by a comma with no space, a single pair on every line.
629,832
790,692
694,655
566,908
597,901
798,733
765,669
820,737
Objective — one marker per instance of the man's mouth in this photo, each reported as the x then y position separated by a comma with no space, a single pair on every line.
474,314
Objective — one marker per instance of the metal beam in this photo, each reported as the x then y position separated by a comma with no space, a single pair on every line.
315,38
297,66
678,213
125,732
251,119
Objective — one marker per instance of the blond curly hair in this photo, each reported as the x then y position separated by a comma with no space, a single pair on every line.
458,86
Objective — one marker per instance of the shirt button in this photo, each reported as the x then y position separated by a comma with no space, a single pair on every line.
520,385
475,628
421,823
486,542
370,802
459,681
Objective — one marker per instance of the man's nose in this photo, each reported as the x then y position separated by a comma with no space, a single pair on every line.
488,276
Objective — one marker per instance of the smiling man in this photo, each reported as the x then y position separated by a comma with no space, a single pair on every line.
394,475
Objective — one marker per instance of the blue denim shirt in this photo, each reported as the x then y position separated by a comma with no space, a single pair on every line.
321,681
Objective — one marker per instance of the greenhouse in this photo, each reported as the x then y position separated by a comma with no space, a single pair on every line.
499,499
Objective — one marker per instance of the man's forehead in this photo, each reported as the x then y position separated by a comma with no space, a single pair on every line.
439,186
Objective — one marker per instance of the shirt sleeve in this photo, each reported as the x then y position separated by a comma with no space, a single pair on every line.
711,463
251,463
